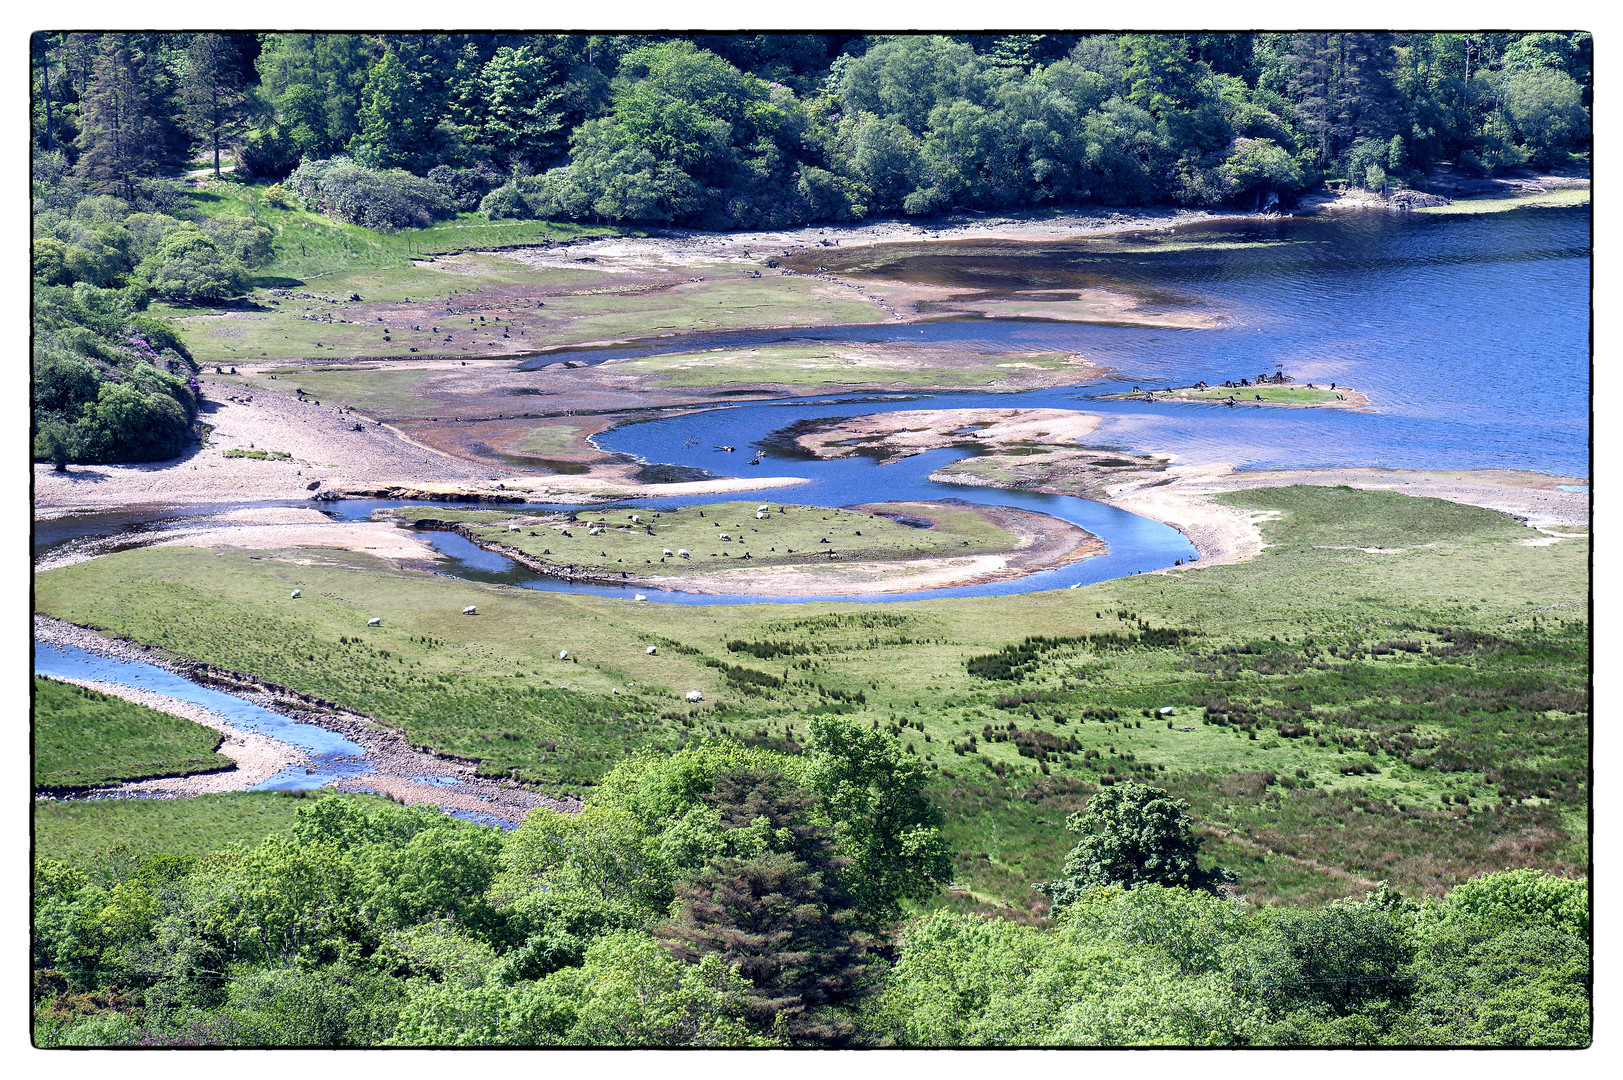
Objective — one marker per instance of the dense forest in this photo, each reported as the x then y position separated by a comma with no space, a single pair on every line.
728,895
719,131
754,131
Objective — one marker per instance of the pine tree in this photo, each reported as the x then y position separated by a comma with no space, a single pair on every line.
119,136
212,91
775,915
394,118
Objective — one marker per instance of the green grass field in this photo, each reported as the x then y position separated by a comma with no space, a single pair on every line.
581,306
84,739
1496,204
78,832
1278,395
824,365
787,535
309,246
1332,697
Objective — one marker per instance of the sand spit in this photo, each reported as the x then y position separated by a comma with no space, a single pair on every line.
1158,487
897,435
1181,496
1041,543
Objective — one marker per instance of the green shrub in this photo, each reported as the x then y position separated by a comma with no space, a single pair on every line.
377,199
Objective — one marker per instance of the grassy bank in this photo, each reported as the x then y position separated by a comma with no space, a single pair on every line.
1325,698
309,246
78,832
819,365
85,739
784,535
1496,204
1275,395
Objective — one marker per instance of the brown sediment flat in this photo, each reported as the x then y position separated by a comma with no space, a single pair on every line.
903,434
329,457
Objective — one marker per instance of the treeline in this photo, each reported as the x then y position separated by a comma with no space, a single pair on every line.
731,896
755,131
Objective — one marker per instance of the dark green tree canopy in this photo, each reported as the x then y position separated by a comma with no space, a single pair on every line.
1131,835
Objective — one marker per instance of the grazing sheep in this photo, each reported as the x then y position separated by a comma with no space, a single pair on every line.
374,621
694,695
471,609
563,654
297,594
668,551
636,519
593,531
760,515
514,527
682,552
640,596
763,508
724,536
652,650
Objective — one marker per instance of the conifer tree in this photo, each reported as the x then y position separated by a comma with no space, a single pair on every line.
118,137
212,91
771,909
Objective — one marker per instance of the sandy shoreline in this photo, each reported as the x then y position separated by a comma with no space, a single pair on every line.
1180,495
327,457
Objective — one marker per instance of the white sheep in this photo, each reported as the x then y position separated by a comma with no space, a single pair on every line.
297,594
593,531
682,552
763,508
668,551
724,536
636,519
760,515
563,654
471,609
694,695
652,651
374,621
640,596
513,526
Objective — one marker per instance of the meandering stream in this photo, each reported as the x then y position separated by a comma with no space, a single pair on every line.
1469,334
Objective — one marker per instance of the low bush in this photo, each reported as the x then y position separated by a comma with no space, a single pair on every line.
376,199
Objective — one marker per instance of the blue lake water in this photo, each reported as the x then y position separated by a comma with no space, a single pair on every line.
1469,334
